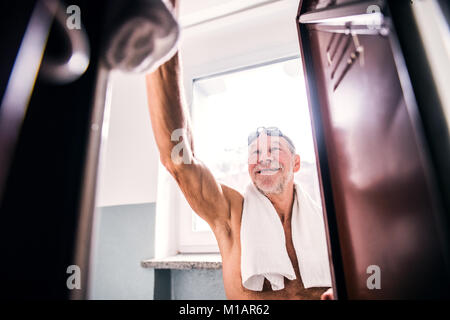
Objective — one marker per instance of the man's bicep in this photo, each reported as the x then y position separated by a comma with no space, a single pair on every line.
203,193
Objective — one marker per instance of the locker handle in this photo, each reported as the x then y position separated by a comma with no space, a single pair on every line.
57,69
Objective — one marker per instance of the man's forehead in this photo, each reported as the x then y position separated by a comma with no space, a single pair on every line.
268,141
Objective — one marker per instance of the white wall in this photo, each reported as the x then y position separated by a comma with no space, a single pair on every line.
129,172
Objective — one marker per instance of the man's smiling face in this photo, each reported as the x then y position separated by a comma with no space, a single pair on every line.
271,164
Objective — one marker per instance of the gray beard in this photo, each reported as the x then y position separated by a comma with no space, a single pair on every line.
279,187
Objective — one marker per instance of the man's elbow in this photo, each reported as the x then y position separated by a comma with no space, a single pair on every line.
173,167
167,163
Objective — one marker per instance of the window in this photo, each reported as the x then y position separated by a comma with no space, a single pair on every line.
225,109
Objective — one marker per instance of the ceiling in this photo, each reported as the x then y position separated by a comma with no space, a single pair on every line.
192,12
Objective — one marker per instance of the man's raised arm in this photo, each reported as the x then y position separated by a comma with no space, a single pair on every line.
168,114
170,123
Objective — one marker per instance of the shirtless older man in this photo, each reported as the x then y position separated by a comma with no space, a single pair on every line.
219,205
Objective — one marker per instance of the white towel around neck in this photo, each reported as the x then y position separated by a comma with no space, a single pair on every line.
263,243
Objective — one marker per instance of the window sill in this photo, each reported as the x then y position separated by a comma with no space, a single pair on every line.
186,262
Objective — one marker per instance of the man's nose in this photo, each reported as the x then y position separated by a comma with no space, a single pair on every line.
265,157
264,161
268,158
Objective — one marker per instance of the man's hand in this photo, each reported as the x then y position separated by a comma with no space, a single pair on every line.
327,295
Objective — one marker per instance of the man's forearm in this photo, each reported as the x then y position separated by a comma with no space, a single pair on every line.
169,117
167,109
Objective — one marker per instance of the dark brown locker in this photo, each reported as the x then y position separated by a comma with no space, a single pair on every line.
385,203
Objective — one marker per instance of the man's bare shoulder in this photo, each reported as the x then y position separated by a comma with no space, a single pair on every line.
234,198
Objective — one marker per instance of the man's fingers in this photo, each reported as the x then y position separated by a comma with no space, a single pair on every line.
327,295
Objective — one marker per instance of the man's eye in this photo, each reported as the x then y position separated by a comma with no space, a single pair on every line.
256,152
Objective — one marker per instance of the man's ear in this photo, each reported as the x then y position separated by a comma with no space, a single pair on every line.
296,163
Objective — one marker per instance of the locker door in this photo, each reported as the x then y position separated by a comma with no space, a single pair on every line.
385,214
